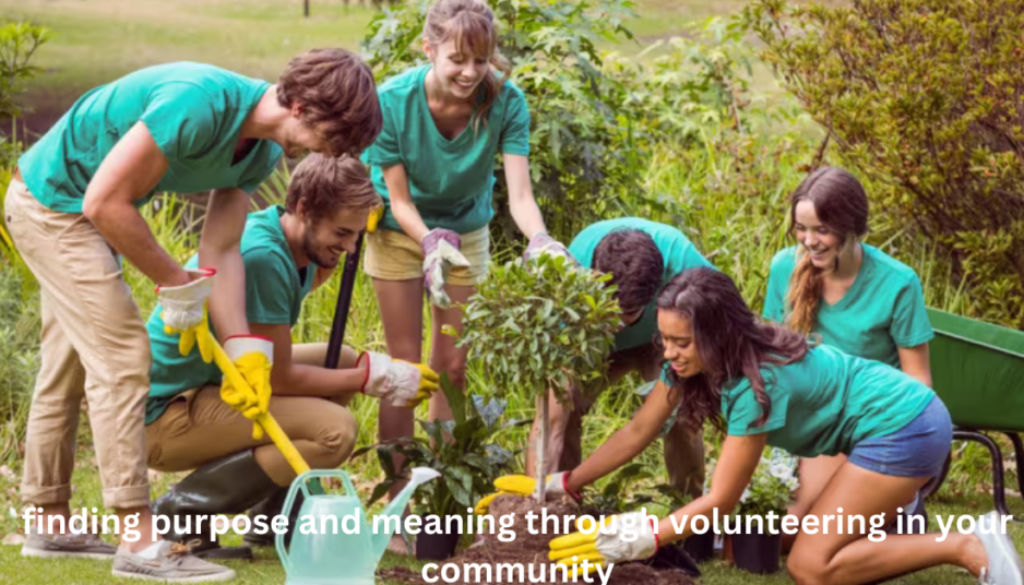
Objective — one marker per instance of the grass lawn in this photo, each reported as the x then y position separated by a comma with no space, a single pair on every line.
99,40
267,570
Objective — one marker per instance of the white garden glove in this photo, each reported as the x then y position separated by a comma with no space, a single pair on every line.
399,382
183,310
633,538
440,254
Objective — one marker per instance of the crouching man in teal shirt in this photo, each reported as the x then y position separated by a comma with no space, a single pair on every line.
641,256
287,252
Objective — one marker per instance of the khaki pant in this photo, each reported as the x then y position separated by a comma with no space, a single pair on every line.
198,427
392,255
684,449
94,344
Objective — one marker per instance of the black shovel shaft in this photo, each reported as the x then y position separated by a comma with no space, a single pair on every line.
348,284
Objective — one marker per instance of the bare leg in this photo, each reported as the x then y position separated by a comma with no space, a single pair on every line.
401,309
850,559
444,356
814,473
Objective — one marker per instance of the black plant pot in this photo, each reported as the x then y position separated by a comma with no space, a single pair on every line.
436,547
757,553
700,547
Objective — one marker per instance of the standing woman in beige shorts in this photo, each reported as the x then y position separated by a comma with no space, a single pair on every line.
433,164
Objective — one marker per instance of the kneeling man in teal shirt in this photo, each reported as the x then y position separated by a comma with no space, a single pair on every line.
288,251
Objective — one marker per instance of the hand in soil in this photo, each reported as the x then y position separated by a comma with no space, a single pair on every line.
531,549
626,537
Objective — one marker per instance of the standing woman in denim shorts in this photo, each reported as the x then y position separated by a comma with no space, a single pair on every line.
763,384
850,294
433,163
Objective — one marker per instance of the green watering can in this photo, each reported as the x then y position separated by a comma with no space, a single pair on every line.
332,557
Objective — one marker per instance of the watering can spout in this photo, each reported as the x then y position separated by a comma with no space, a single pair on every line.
419,475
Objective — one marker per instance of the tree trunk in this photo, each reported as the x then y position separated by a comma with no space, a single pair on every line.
305,8
542,447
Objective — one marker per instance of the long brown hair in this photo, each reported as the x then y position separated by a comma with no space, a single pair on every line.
731,340
470,24
842,206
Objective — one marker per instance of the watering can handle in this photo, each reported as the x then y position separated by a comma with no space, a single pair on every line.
301,482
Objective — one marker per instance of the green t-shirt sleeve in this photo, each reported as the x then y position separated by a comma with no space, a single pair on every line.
182,120
910,324
268,290
385,151
741,409
515,131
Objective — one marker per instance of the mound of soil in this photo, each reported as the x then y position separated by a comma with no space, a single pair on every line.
665,568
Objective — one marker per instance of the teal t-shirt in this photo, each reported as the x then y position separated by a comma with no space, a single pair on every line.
274,290
450,181
825,403
194,113
676,250
883,310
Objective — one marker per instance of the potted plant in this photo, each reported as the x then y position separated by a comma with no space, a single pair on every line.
541,325
770,490
462,450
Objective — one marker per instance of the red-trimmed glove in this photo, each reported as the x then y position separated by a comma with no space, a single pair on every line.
183,310
397,381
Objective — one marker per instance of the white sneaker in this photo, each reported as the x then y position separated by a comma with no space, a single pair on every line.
1004,564
172,563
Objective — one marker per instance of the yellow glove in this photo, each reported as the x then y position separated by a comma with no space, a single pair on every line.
254,358
632,537
524,486
375,216
190,336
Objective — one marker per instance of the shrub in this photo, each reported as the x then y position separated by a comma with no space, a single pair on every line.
924,96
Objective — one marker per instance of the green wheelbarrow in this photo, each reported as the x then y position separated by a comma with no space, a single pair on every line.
978,371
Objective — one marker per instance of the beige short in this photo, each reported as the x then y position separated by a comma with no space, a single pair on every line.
392,255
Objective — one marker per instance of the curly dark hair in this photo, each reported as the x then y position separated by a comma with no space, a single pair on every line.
636,266
731,340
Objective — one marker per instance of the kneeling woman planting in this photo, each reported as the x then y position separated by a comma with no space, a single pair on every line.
763,384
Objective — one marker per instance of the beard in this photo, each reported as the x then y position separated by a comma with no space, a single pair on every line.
320,256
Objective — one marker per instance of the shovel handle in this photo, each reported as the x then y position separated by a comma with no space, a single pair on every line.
265,420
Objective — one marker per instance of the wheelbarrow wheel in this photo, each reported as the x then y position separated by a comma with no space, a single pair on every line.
935,483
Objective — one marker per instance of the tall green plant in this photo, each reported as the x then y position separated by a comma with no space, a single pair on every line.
923,96
539,325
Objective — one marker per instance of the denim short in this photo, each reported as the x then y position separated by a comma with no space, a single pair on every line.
917,450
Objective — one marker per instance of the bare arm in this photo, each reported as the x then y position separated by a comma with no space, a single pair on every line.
627,442
131,170
220,249
402,206
520,195
915,362
740,456
289,378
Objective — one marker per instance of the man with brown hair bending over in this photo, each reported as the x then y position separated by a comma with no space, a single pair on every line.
287,252
641,256
72,210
